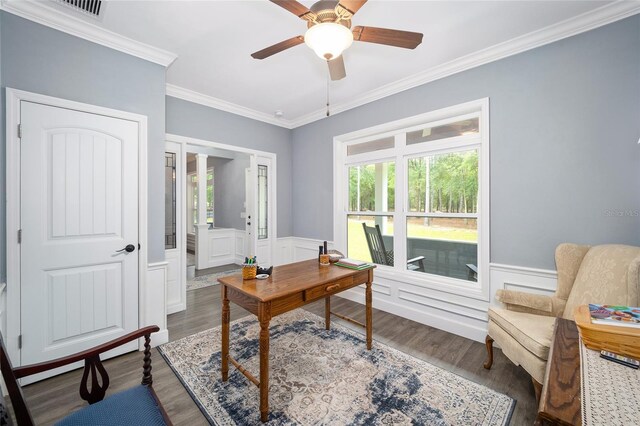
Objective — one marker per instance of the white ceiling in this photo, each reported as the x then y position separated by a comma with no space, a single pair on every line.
214,40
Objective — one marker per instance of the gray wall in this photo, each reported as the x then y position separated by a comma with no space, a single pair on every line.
228,189
197,121
565,163
39,59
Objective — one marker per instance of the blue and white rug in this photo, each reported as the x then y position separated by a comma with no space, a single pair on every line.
320,377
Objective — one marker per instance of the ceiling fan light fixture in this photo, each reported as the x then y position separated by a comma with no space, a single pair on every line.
328,39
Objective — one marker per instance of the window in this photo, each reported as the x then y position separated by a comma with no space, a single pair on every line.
170,200
263,231
192,198
413,197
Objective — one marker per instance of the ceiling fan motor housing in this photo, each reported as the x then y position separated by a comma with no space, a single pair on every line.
325,11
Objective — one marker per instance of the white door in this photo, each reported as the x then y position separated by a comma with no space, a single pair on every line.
79,210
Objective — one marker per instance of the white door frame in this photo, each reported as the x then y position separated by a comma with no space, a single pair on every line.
185,140
13,99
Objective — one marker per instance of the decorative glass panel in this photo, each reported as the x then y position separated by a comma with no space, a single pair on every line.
459,128
170,200
263,231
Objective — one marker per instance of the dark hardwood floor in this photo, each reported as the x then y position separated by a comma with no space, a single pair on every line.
54,398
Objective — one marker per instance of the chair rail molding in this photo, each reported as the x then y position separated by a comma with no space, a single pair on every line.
50,16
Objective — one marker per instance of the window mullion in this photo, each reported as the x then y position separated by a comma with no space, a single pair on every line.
400,216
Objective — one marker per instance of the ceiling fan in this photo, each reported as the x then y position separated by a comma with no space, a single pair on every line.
329,32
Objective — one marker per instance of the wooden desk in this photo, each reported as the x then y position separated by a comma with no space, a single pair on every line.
560,398
289,287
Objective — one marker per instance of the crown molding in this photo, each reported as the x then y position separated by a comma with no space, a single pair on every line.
52,17
210,101
584,22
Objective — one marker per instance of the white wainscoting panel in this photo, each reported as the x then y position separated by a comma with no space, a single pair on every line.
282,253
455,313
530,280
155,303
240,244
176,293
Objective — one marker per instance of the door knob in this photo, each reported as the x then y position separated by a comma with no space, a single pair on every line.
129,248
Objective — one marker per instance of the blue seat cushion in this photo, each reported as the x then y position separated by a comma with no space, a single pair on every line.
135,406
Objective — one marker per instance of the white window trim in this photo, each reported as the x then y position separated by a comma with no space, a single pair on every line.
478,290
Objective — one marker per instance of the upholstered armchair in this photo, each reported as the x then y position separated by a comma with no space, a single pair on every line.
607,274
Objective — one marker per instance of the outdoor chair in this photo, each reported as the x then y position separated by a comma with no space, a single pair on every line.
604,274
136,406
382,256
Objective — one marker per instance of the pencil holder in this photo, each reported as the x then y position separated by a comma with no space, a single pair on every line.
249,272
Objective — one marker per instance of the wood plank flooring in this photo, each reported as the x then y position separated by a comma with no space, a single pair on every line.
54,398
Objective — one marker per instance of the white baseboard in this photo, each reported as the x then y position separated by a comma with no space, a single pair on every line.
176,307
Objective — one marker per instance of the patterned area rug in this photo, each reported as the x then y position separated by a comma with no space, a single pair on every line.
209,279
320,377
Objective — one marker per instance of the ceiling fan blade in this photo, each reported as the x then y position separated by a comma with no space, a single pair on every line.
300,10
278,47
352,5
397,38
336,68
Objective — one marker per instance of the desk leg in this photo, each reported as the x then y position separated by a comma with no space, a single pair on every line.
264,316
225,333
369,313
327,312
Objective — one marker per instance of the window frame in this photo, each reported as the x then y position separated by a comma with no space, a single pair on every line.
401,154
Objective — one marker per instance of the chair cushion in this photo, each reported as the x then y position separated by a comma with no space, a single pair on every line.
531,331
135,406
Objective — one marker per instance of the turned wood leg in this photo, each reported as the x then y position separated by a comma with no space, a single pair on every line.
537,388
489,342
264,316
369,312
225,333
327,312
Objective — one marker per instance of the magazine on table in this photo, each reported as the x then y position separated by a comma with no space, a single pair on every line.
625,316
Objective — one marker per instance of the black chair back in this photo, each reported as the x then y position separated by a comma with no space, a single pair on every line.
378,252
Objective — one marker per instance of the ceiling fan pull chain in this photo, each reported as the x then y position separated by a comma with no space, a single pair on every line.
328,82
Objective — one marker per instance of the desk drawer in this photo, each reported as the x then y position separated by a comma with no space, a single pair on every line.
328,289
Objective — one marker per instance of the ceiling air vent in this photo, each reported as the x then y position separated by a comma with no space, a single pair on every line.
88,7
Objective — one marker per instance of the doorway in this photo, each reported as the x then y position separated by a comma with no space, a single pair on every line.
210,239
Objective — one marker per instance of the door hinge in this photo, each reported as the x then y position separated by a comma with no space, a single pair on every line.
20,341
19,236
19,131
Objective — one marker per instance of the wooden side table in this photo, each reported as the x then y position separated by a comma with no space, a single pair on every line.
560,401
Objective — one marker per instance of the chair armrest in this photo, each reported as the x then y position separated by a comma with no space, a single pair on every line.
539,304
415,259
28,370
